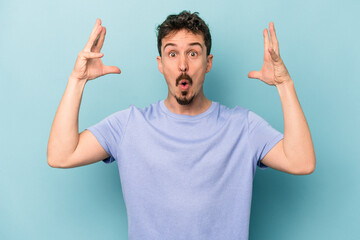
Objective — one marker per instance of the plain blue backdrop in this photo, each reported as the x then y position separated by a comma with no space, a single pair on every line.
39,43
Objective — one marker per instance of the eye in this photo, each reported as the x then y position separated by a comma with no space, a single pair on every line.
193,54
172,54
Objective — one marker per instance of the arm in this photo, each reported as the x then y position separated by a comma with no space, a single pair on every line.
66,147
295,153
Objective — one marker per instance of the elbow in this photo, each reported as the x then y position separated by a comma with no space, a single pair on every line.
311,165
56,159
306,169
309,170
55,162
50,160
52,163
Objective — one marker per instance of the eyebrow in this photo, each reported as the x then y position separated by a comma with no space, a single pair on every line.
196,43
191,44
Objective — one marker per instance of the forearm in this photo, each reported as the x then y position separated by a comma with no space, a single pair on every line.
64,134
298,145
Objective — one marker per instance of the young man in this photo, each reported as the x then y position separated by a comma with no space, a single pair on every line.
186,163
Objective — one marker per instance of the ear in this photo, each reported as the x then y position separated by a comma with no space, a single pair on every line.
209,63
160,66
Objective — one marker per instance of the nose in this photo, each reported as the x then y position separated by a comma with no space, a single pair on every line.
183,64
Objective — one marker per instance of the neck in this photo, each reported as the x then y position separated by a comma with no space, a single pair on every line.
199,105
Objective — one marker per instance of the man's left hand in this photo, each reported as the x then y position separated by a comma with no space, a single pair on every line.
273,71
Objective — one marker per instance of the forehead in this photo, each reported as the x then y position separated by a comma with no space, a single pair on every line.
182,37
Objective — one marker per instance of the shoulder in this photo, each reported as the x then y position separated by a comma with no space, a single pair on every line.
121,114
133,112
241,116
151,111
236,112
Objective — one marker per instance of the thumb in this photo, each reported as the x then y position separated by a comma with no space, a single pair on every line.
254,74
111,69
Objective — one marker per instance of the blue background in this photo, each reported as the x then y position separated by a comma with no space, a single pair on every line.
39,43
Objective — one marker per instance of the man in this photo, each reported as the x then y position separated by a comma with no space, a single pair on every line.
187,163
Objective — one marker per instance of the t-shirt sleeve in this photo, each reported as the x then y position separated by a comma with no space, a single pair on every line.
263,137
110,131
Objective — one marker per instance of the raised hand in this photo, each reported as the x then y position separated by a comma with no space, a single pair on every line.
273,71
88,64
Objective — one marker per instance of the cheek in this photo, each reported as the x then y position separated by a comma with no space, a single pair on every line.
201,66
169,78
169,72
199,74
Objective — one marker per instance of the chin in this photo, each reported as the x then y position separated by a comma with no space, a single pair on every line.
184,100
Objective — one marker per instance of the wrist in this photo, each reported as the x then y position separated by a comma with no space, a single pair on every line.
286,88
285,83
76,82
75,77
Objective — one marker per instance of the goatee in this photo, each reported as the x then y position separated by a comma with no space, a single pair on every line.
184,101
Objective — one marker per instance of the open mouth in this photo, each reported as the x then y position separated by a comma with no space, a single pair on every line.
183,81
184,84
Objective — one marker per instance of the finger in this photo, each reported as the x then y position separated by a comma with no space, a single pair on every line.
274,40
99,41
111,69
97,23
94,34
274,56
254,74
266,40
90,55
92,39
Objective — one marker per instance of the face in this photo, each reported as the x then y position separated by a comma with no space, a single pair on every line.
184,63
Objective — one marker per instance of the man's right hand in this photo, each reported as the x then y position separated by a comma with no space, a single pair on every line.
88,64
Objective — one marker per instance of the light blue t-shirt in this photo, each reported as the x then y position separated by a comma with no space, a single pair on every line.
186,177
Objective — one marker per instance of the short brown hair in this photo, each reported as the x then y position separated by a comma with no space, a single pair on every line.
184,20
